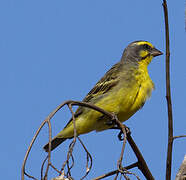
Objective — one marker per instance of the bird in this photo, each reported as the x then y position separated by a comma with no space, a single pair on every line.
123,90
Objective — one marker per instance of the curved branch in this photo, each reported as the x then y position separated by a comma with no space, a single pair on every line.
140,164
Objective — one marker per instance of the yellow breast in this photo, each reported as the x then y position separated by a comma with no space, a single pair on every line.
137,96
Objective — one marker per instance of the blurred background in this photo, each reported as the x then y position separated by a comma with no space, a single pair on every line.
52,51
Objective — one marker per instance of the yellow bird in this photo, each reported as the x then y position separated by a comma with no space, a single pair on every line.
123,90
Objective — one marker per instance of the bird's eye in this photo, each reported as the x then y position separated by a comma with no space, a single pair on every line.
146,46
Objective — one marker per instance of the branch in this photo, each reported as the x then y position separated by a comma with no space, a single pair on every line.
168,96
47,120
141,164
116,171
88,168
181,136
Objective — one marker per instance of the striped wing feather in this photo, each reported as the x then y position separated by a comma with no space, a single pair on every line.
105,84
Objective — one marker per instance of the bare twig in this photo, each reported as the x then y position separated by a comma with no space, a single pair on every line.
181,136
168,96
56,169
30,176
49,152
35,136
23,172
123,128
74,123
116,171
42,167
88,168
119,162
69,154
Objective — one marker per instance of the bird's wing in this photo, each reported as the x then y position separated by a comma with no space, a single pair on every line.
104,85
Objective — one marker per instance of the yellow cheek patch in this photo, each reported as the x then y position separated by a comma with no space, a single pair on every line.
143,53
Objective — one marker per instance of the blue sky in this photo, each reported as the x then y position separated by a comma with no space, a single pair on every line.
53,51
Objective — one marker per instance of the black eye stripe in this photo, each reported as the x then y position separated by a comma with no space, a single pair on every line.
146,46
142,58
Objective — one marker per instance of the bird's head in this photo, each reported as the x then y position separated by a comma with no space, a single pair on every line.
141,52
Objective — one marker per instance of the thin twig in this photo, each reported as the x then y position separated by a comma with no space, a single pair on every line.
28,151
88,156
168,96
74,123
56,169
123,131
49,152
125,176
115,178
35,136
181,136
69,154
30,176
116,171
137,177
74,140
42,166
123,127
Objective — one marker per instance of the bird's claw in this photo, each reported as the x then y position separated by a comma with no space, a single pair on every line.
127,129
120,135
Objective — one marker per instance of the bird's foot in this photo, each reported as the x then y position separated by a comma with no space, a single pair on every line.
112,121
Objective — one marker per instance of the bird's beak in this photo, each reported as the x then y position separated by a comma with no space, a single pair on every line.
155,52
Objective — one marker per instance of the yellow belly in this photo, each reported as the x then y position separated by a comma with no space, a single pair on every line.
137,102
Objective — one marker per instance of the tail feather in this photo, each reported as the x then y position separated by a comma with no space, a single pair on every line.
55,142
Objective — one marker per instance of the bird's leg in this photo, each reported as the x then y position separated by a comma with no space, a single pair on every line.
111,122
120,135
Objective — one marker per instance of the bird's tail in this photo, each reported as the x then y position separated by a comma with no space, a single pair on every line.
55,142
